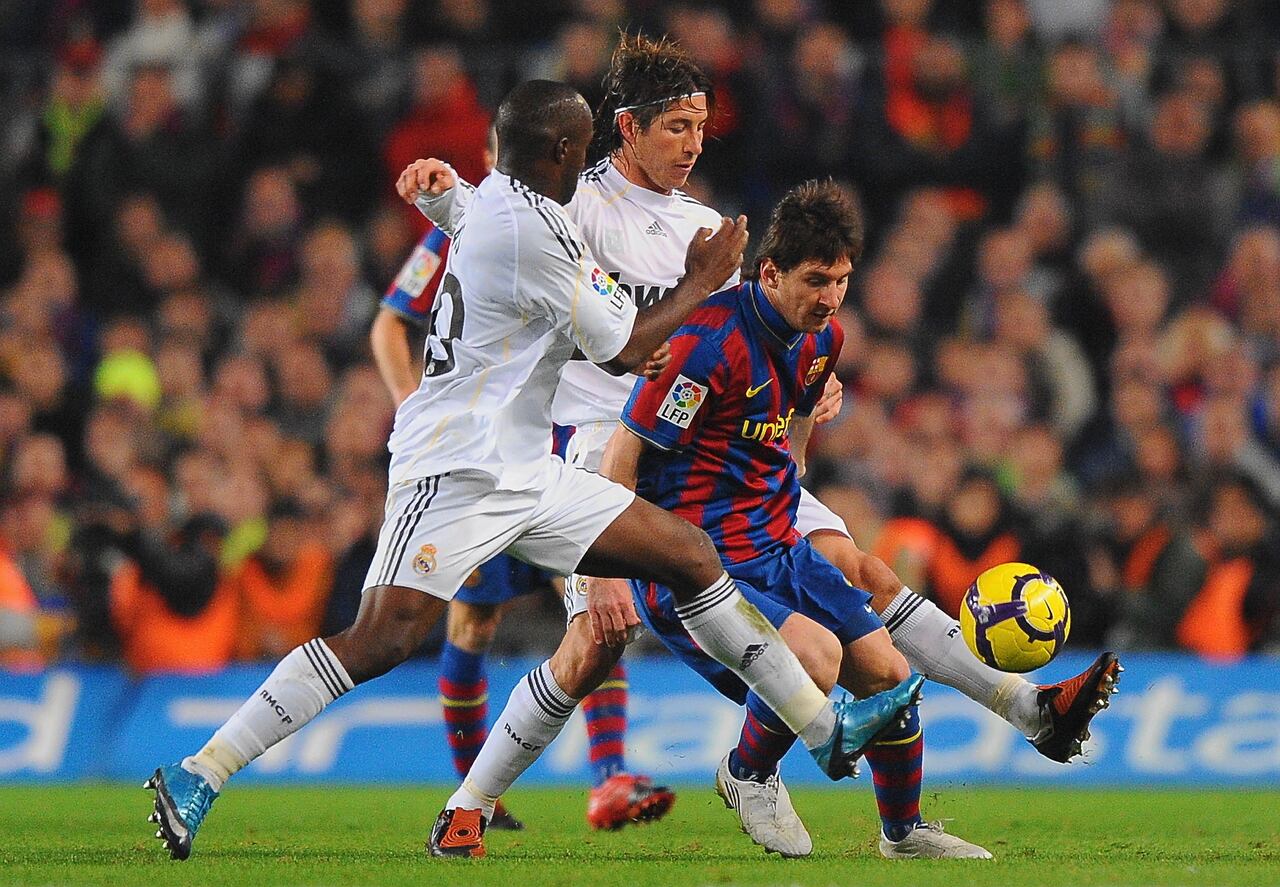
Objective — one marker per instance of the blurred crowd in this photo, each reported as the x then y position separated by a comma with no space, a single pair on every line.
1063,345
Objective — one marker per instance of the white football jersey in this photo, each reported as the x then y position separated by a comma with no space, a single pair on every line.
520,292
639,237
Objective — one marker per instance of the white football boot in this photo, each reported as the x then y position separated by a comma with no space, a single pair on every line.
765,811
928,841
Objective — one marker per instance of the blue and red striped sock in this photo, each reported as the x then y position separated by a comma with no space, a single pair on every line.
761,744
464,698
605,710
896,761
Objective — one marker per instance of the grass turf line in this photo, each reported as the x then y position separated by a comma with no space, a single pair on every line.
98,834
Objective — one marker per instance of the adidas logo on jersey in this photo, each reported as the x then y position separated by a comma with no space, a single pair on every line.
655,229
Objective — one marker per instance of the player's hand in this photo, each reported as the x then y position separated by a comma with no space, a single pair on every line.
828,406
713,258
611,610
430,176
660,360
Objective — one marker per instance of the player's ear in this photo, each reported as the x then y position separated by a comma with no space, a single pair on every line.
561,150
627,127
769,272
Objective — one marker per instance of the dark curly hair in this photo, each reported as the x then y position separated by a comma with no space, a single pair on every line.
643,75
814,220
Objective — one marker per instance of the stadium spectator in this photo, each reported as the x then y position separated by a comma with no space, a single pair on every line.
283,587
445,120
1257,131
1171,197
1077,132
1144,565
1237,602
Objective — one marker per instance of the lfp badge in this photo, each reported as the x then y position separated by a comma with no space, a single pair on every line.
602,283
682,402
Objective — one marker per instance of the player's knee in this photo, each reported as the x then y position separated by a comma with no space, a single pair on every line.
391,626
472,628
817,649
689,562
866,674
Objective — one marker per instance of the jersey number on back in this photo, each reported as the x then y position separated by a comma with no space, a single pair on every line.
444,327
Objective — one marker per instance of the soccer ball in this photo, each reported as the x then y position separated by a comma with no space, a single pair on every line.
1015,617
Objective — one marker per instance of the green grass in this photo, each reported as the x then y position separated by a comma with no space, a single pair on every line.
97,834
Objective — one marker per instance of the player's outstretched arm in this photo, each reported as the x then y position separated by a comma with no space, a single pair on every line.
389,341
708,265
437,191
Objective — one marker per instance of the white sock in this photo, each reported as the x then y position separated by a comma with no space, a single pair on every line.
931,641
299,688
534,715
732,631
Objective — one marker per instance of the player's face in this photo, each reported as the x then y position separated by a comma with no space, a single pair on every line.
811,293
667,150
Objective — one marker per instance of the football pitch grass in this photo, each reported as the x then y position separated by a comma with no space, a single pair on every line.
98,834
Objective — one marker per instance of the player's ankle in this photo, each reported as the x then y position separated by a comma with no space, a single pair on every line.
739,770
899,830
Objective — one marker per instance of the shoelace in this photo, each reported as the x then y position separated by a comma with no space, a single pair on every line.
772,783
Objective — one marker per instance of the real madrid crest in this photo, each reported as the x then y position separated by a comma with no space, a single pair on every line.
425,560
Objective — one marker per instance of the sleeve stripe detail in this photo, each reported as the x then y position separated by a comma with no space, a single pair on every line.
643,433
572,248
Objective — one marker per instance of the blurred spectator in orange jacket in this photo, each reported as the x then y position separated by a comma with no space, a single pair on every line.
974,532
1144,565
167,605
19,637
1237,603
282,588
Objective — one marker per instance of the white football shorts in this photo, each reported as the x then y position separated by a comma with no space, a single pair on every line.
812,516
585,448
438,529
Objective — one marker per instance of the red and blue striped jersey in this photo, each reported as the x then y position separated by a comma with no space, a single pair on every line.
414,289
718,419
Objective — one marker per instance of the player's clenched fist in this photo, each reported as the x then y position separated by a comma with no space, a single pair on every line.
429,176
714,259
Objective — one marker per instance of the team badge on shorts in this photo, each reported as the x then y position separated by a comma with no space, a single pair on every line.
815,369
425,560
682,402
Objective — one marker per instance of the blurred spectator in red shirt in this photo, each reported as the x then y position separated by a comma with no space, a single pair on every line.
446,120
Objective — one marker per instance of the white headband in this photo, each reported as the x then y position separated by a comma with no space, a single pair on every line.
674,98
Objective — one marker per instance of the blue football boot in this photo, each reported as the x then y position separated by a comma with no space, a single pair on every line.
859,722
182,801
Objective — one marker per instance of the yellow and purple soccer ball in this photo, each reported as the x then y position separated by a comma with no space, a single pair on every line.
1015,617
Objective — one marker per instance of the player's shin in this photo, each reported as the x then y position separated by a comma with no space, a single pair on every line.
605,711
299,688
896,760
464,695
732,631
763,742
534,715
931,641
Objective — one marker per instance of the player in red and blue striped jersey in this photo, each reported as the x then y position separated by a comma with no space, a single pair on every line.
725,427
